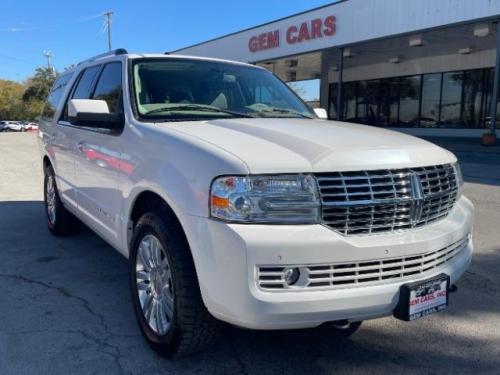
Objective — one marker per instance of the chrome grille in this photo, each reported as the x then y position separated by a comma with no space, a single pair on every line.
367,202
368,272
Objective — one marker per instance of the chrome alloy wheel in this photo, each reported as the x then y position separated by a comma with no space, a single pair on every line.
51,199
154,284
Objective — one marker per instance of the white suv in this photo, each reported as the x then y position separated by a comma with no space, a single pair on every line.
234,202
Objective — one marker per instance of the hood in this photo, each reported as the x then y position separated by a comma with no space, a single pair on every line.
301,145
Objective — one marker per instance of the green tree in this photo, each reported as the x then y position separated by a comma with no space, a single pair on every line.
11,103
38,86
25,100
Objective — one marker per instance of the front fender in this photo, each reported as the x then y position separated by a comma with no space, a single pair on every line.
177,167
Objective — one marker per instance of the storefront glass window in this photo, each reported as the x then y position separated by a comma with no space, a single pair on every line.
490,75
383,103
460,99
371,101
409,101
332,108
431,94
451,99
473,98
393,101
349,104
361,102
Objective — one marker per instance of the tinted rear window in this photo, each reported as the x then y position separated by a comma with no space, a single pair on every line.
81,90
55,97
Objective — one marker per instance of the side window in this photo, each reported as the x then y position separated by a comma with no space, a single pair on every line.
54,97
109,87
82,88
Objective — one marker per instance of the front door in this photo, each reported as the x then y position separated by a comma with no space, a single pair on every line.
66,138
99,158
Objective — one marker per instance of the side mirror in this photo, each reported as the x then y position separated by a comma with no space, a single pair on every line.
321,113
93,114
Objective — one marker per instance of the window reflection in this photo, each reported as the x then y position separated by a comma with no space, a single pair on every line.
431,93
393,101
332,110
473,97
361,102
451,99
490,75
409,101
349,101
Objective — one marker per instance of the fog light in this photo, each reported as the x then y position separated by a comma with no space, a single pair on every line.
291,275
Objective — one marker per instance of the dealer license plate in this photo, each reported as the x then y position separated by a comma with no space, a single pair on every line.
423,298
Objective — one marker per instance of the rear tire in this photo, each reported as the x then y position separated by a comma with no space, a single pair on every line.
163,283
60,221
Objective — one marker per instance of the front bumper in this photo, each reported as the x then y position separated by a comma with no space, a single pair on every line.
227,256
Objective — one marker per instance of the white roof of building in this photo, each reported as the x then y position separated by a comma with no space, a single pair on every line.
356,21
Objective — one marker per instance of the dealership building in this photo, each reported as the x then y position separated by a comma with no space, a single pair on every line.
426,67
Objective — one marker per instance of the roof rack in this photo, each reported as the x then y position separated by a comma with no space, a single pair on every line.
116,52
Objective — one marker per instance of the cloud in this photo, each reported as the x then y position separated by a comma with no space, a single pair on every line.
20,29
77,20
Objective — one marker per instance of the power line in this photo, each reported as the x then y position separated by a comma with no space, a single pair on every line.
16,59
107,20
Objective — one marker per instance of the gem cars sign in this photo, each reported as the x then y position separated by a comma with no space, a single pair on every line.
309,30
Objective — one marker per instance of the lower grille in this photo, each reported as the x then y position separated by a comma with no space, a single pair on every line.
359,273
368,202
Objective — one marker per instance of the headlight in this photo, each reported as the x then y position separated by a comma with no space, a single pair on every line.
459,177
277,199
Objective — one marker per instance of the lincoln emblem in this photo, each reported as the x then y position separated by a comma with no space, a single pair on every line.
417,203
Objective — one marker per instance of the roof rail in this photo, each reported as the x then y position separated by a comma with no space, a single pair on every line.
115,52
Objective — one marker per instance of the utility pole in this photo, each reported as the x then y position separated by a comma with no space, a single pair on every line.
48,55
107,20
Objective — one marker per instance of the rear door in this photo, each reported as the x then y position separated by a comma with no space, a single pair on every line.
52,141
98,161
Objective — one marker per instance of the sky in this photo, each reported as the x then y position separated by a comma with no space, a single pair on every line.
74,30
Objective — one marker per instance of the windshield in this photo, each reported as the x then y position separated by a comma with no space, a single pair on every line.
185,89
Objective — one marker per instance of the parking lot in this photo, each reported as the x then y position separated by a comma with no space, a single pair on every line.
65,304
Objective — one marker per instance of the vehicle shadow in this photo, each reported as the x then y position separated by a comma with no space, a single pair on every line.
65,308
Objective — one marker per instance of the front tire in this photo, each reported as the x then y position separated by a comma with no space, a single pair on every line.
165,292
60,221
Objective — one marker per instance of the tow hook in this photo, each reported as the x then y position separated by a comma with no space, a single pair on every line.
453,288
341,324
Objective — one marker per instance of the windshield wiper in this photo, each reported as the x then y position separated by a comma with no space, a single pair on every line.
195,107
284,110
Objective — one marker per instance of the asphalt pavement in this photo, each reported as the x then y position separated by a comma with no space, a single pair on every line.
65,303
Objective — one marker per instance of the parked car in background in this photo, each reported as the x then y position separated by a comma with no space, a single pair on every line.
31,126
13,126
